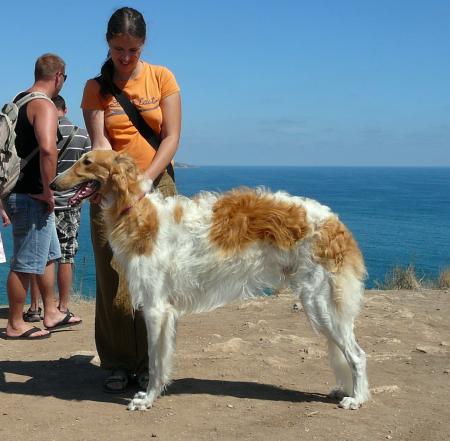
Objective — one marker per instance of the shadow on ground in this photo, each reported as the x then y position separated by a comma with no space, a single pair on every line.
77,379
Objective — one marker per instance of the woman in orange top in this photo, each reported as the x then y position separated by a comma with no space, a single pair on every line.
120,333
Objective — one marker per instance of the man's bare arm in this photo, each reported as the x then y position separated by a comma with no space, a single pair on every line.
42,115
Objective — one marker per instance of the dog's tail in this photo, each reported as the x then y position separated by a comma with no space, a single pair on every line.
337,251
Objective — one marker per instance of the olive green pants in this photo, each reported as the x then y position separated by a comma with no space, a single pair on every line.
120,333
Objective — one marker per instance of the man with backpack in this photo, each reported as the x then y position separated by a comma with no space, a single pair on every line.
72,144
30,205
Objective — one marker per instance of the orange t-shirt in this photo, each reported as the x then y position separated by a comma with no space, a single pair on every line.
153,84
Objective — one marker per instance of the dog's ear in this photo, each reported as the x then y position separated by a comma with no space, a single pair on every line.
126,163
123,172
118,180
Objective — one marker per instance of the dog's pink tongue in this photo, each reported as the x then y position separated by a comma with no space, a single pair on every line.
83,192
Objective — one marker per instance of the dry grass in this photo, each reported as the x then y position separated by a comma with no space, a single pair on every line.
444,278
400,277
406,277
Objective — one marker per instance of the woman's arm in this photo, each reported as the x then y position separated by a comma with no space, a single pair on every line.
95,125
170,135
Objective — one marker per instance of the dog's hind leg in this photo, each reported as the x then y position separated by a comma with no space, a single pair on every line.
161,329
348,361
336,323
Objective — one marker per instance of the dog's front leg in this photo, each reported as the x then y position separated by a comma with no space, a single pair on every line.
154,320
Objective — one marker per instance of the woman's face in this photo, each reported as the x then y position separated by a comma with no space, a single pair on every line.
125,52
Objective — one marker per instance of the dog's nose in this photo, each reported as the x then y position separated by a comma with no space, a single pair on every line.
52,186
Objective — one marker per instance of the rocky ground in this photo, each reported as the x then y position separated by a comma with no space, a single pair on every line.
254,371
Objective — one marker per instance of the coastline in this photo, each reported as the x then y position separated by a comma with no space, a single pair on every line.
252,371
374,203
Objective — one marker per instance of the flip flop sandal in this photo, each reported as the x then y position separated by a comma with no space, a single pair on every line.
32,315
27,335
67,311
64,323
117,377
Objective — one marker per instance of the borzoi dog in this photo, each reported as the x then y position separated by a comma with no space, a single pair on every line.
184,256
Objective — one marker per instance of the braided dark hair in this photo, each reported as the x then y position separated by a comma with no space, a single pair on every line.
124,21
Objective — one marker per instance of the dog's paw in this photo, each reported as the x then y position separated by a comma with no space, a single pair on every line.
141,401
350,403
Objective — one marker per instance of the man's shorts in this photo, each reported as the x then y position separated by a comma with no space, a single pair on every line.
67,226
34,234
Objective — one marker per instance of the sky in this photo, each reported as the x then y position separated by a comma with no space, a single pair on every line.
268,82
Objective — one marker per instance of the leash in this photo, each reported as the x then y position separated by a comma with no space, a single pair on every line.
127,209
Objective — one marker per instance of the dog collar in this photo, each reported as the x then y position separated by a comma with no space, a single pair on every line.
127,209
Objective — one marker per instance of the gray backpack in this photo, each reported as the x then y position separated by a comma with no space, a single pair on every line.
10,163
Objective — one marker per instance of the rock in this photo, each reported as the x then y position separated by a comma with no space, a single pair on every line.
232,345
297,307
405,313
389,340
315,353
382,389
257,305
433,350
276,362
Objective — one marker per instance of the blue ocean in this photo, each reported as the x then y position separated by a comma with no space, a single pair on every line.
399,216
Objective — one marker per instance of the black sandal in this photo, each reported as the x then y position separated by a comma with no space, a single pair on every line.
32,315
117,377
66,311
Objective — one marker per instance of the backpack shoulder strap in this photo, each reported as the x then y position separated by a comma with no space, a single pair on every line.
31,96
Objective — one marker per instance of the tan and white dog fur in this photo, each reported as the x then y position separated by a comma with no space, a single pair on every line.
183,256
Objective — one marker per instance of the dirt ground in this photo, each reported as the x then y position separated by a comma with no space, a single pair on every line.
254,371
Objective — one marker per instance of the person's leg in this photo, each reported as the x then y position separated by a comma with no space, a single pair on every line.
42,250
114,323
67,226
35,294
64,285
20,211
33,313
46,282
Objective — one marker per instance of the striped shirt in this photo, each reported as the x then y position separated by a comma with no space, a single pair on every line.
79,145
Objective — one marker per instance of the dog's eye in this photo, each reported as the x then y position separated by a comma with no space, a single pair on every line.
87,161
